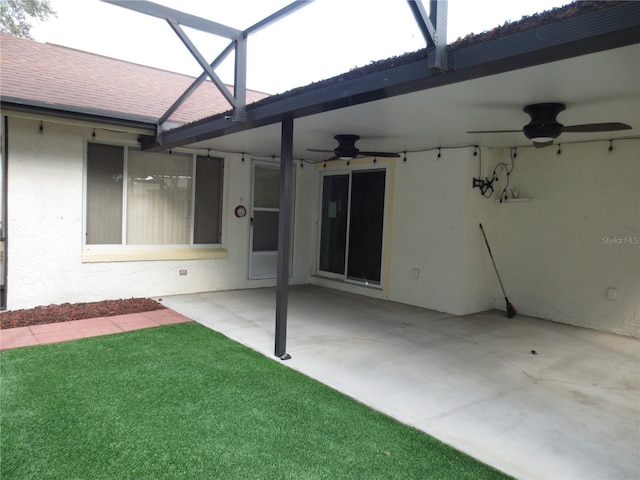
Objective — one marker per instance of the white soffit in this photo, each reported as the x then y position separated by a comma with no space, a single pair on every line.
599,87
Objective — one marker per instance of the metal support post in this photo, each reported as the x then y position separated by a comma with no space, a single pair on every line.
439,17
240,80
284,237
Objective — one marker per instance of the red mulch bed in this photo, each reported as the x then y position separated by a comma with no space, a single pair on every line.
76,311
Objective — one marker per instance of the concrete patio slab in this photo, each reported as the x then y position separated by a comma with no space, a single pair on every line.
536,399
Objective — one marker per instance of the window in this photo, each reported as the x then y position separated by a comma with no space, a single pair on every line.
352,221
145,198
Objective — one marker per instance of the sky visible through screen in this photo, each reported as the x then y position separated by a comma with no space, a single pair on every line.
321,40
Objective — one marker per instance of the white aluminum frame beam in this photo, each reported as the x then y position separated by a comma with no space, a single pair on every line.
176,19
186,19
433,26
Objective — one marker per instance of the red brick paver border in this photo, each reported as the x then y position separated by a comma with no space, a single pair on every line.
92,327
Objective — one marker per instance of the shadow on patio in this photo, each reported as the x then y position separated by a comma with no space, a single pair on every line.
534,398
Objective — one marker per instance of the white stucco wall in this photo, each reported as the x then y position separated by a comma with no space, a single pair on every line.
578,237
45,244
558,254
435,230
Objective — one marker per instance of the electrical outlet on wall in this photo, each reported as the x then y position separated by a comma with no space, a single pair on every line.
183,272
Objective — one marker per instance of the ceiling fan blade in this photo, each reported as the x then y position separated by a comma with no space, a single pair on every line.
494,131
379,154
319,150
597,127
542,144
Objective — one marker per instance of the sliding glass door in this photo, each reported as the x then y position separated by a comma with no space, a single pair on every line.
352,224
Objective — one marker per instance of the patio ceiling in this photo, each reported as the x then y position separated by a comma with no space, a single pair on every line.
601,87
595,73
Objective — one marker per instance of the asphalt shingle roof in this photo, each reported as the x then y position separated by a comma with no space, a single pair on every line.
58,75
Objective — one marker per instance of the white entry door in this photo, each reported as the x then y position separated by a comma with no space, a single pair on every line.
265,211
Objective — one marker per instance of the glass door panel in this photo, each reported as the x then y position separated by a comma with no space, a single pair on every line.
266,186
265,231
333,230
366,224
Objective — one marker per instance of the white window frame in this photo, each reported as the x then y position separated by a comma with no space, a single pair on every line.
98,253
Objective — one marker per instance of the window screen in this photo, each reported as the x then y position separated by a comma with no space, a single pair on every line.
105,165
208,200
159,198
169,201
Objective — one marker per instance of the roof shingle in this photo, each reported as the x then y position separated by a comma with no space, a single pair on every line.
59,75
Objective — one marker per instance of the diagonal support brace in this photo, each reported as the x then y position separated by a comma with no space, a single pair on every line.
203,63
433,26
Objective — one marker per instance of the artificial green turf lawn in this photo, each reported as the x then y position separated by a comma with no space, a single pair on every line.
182,401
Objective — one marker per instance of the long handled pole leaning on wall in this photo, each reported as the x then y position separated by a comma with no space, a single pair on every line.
511,310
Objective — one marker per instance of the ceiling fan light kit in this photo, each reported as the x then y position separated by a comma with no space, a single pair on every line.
347,150
544,127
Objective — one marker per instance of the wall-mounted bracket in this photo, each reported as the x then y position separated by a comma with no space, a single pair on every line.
484,185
